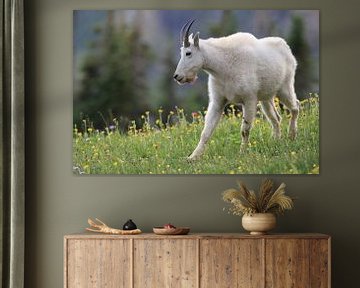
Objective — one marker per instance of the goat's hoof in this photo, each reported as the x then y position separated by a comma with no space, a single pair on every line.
292,136
276,136
192,158
243,148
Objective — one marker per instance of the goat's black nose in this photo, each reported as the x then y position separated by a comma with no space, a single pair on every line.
175,76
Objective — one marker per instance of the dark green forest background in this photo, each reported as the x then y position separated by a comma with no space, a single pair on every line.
124,59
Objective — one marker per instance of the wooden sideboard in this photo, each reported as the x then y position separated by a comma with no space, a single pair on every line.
197,260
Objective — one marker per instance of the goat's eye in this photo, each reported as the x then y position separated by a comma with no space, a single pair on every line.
188,53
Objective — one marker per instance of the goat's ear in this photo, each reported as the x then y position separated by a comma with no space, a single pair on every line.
196,39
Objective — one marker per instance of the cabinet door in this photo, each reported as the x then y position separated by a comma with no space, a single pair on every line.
320,263
231,263
166,263
98,263
287,263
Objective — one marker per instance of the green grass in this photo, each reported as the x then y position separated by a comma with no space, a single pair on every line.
164,150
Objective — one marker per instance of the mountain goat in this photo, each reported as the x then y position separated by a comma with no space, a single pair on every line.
242,70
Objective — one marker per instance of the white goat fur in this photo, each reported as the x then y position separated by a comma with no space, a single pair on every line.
242,69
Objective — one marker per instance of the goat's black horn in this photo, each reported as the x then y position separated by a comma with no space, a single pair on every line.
185,34
186,41
182,32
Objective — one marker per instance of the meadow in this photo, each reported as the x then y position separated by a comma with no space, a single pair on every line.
160,148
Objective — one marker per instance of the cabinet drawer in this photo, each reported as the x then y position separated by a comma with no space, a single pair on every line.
165,263
231,263
98,263
297,263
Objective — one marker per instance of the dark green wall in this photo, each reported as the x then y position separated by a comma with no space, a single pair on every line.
59,203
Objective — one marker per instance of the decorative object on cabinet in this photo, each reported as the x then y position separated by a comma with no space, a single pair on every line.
101,227
129,225
171,231
258,209
258,223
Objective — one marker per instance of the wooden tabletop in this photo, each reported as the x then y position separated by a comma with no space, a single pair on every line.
89,235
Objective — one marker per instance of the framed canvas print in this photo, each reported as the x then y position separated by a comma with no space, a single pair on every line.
196,92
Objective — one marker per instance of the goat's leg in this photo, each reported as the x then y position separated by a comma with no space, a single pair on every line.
249,113
288,98
212,118
273,116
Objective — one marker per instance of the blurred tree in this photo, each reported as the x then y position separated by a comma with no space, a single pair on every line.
113,75
227,25
301,50
166,83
